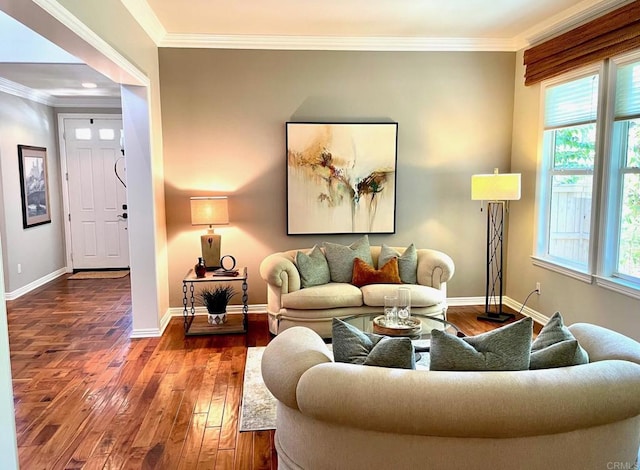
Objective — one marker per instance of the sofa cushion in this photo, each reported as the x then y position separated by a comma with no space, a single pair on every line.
364,274
356,347
326,296
421,296
407,262
313,267
555,346
340,258
505,348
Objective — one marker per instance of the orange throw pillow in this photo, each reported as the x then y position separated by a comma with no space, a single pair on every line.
364,274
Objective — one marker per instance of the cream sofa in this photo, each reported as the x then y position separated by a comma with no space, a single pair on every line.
315,307
335,415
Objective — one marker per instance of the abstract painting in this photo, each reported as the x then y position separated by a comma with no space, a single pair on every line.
34,185
341,177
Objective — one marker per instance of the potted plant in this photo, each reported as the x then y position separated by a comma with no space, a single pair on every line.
216,300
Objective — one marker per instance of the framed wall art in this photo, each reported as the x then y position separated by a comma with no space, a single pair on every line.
34,186
341,177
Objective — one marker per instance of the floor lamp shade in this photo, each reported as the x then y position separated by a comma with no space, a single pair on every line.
496,189
210,211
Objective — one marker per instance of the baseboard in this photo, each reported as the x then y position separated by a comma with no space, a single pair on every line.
464,301
526,311
34,285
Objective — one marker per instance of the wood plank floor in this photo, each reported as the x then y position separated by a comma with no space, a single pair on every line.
86,396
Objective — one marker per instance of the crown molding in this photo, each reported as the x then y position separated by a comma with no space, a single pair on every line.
332,43
566,20
553,26
146,18
21,91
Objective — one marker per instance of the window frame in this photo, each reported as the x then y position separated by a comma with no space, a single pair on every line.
607,187
545,173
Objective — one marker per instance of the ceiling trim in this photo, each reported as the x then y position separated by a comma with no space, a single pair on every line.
21,91
566,20
146,18
557,24
329,43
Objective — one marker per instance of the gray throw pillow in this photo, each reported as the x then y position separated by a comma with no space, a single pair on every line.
505,348
313,267
407,262
356,347
555,346
340,258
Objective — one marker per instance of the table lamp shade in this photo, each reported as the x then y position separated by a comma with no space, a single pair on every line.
495,187
210,211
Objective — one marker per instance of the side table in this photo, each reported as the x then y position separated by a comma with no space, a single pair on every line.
199,324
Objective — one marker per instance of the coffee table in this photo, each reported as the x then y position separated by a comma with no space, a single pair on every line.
369,323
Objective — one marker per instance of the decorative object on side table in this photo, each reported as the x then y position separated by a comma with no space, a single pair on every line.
210,211
200,268
216,300
496,189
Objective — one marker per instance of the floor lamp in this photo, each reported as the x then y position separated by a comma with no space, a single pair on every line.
496,189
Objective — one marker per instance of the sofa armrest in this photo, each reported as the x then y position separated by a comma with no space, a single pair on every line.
435,268
287,357
278,270
602,344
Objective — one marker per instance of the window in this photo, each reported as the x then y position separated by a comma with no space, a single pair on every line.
589,175
623,224
569,154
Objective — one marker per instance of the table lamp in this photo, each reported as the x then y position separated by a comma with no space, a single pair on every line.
210,211
495,189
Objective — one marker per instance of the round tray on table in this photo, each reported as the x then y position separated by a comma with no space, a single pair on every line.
411,326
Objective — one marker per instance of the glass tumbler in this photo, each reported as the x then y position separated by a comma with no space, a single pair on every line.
390,315
404,304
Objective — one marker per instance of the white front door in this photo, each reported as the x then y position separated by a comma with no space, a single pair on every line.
96,184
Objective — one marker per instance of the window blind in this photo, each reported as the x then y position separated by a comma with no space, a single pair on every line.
606,36
571,103
628,91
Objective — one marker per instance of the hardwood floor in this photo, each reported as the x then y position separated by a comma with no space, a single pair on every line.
86,396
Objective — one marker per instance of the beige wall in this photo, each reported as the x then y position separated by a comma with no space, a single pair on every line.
576,300
40,249
224,115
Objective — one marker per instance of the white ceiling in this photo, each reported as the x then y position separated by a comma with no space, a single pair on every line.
29,62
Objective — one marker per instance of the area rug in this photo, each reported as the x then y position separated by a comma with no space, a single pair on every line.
99,275
258,412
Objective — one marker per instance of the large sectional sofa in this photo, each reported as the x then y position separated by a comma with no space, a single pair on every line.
289,304
339,415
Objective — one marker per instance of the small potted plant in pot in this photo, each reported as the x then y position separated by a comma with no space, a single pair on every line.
216,300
